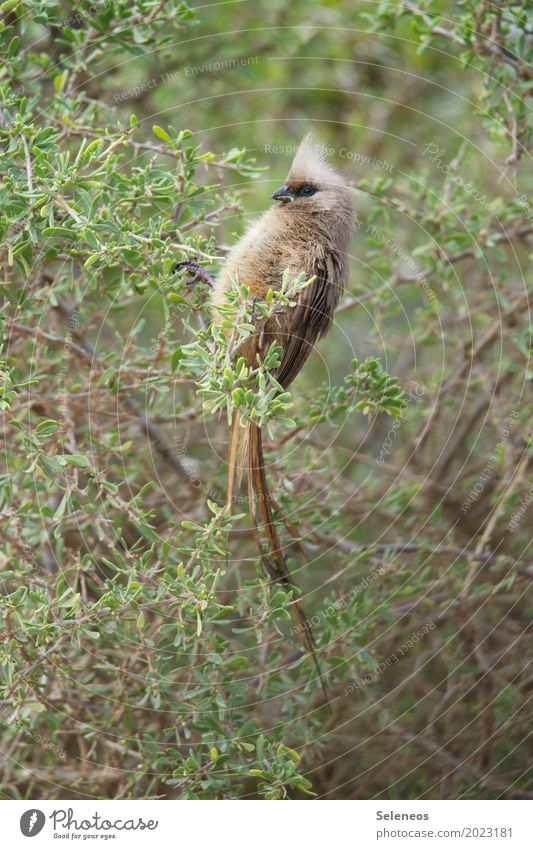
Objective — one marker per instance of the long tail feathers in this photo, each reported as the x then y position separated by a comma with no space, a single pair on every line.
232,455
261,513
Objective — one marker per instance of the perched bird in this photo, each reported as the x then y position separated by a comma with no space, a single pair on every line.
307,231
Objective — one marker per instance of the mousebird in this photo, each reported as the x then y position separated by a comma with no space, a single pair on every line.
307,231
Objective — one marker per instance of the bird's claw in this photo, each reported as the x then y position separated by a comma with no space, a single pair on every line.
196,271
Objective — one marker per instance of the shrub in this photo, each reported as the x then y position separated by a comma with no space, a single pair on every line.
144,653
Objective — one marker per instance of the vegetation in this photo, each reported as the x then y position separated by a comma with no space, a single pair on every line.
144,654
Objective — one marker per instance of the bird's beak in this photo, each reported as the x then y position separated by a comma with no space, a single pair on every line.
283,194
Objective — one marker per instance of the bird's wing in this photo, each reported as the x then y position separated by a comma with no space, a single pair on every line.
310,319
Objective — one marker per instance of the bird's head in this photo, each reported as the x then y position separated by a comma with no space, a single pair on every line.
312,186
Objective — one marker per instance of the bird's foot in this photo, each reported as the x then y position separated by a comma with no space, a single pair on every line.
197,272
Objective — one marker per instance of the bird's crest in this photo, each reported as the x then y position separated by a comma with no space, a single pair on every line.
311,164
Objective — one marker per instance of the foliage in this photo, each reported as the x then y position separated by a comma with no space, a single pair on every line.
224,380
144,653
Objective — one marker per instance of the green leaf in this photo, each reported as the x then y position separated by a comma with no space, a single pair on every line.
78,460
60,82
61,507
161,133
91,260
46,427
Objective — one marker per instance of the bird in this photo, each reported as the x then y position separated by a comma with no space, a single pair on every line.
306,232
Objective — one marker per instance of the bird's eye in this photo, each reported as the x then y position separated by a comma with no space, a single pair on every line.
308,190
